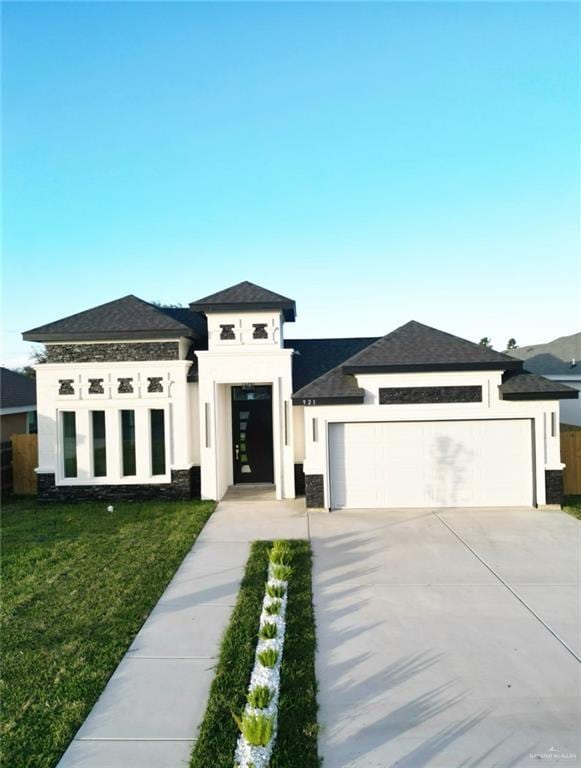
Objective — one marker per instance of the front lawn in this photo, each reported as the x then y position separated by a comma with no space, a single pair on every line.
572,505
78,583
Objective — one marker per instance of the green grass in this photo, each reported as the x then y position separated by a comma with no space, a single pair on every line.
572,505
296,745
78,582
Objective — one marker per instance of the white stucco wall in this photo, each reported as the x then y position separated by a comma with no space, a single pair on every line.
175,400
194,421
243,323
299,433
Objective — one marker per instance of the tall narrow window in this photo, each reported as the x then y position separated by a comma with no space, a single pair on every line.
128,442
69,443
553,424
157,442
99,444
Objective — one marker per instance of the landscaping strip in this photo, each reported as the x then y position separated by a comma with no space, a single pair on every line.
78,583
296,725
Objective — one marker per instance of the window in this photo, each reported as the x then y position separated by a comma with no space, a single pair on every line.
128,442
99,444
31,423
157,418
69,426
553,424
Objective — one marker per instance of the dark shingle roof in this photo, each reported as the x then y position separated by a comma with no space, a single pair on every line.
554,358
523,385
417,347
314,357
16,390
333,387
412,347
245,296
126,318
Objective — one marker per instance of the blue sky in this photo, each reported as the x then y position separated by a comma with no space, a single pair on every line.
377,162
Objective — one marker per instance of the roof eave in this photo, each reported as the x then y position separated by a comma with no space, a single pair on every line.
339,400
505,365
48,338
287,308
539,395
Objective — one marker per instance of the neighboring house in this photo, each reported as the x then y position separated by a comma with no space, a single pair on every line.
139,401
17,404
558,360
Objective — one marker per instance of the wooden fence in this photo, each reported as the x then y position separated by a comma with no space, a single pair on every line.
571,456
24,462
6,467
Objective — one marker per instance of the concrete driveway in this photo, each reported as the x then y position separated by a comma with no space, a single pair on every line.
448,639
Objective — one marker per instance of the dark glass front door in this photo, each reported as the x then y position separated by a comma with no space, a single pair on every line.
252,434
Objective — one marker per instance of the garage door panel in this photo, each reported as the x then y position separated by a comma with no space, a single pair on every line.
431,464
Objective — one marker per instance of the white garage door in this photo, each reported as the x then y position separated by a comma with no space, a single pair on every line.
431,464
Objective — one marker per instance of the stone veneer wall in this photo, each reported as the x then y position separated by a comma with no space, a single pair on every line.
184,485
405,395
113,352
314,491
554,486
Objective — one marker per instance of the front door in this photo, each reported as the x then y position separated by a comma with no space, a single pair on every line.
252,434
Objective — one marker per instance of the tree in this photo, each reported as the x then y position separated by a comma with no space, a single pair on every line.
485,342
511,344
37,357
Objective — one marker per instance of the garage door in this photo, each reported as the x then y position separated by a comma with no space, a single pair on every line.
431,464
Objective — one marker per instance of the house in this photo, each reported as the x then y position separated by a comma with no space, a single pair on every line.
558,360
17,404
139,401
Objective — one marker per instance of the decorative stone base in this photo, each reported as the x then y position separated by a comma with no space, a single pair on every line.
185,485
299,480
554,486
314,491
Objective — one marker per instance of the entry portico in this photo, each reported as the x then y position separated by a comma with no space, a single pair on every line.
245,388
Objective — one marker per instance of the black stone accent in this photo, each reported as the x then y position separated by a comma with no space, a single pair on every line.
299,480
113,352
155,384
409,395
66,387
184,485
259,331
96,387
227,333
314,491
554,486
125,386
196,482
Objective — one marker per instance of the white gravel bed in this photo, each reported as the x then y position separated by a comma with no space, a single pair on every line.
246,755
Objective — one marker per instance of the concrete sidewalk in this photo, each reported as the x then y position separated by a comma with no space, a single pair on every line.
151,708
